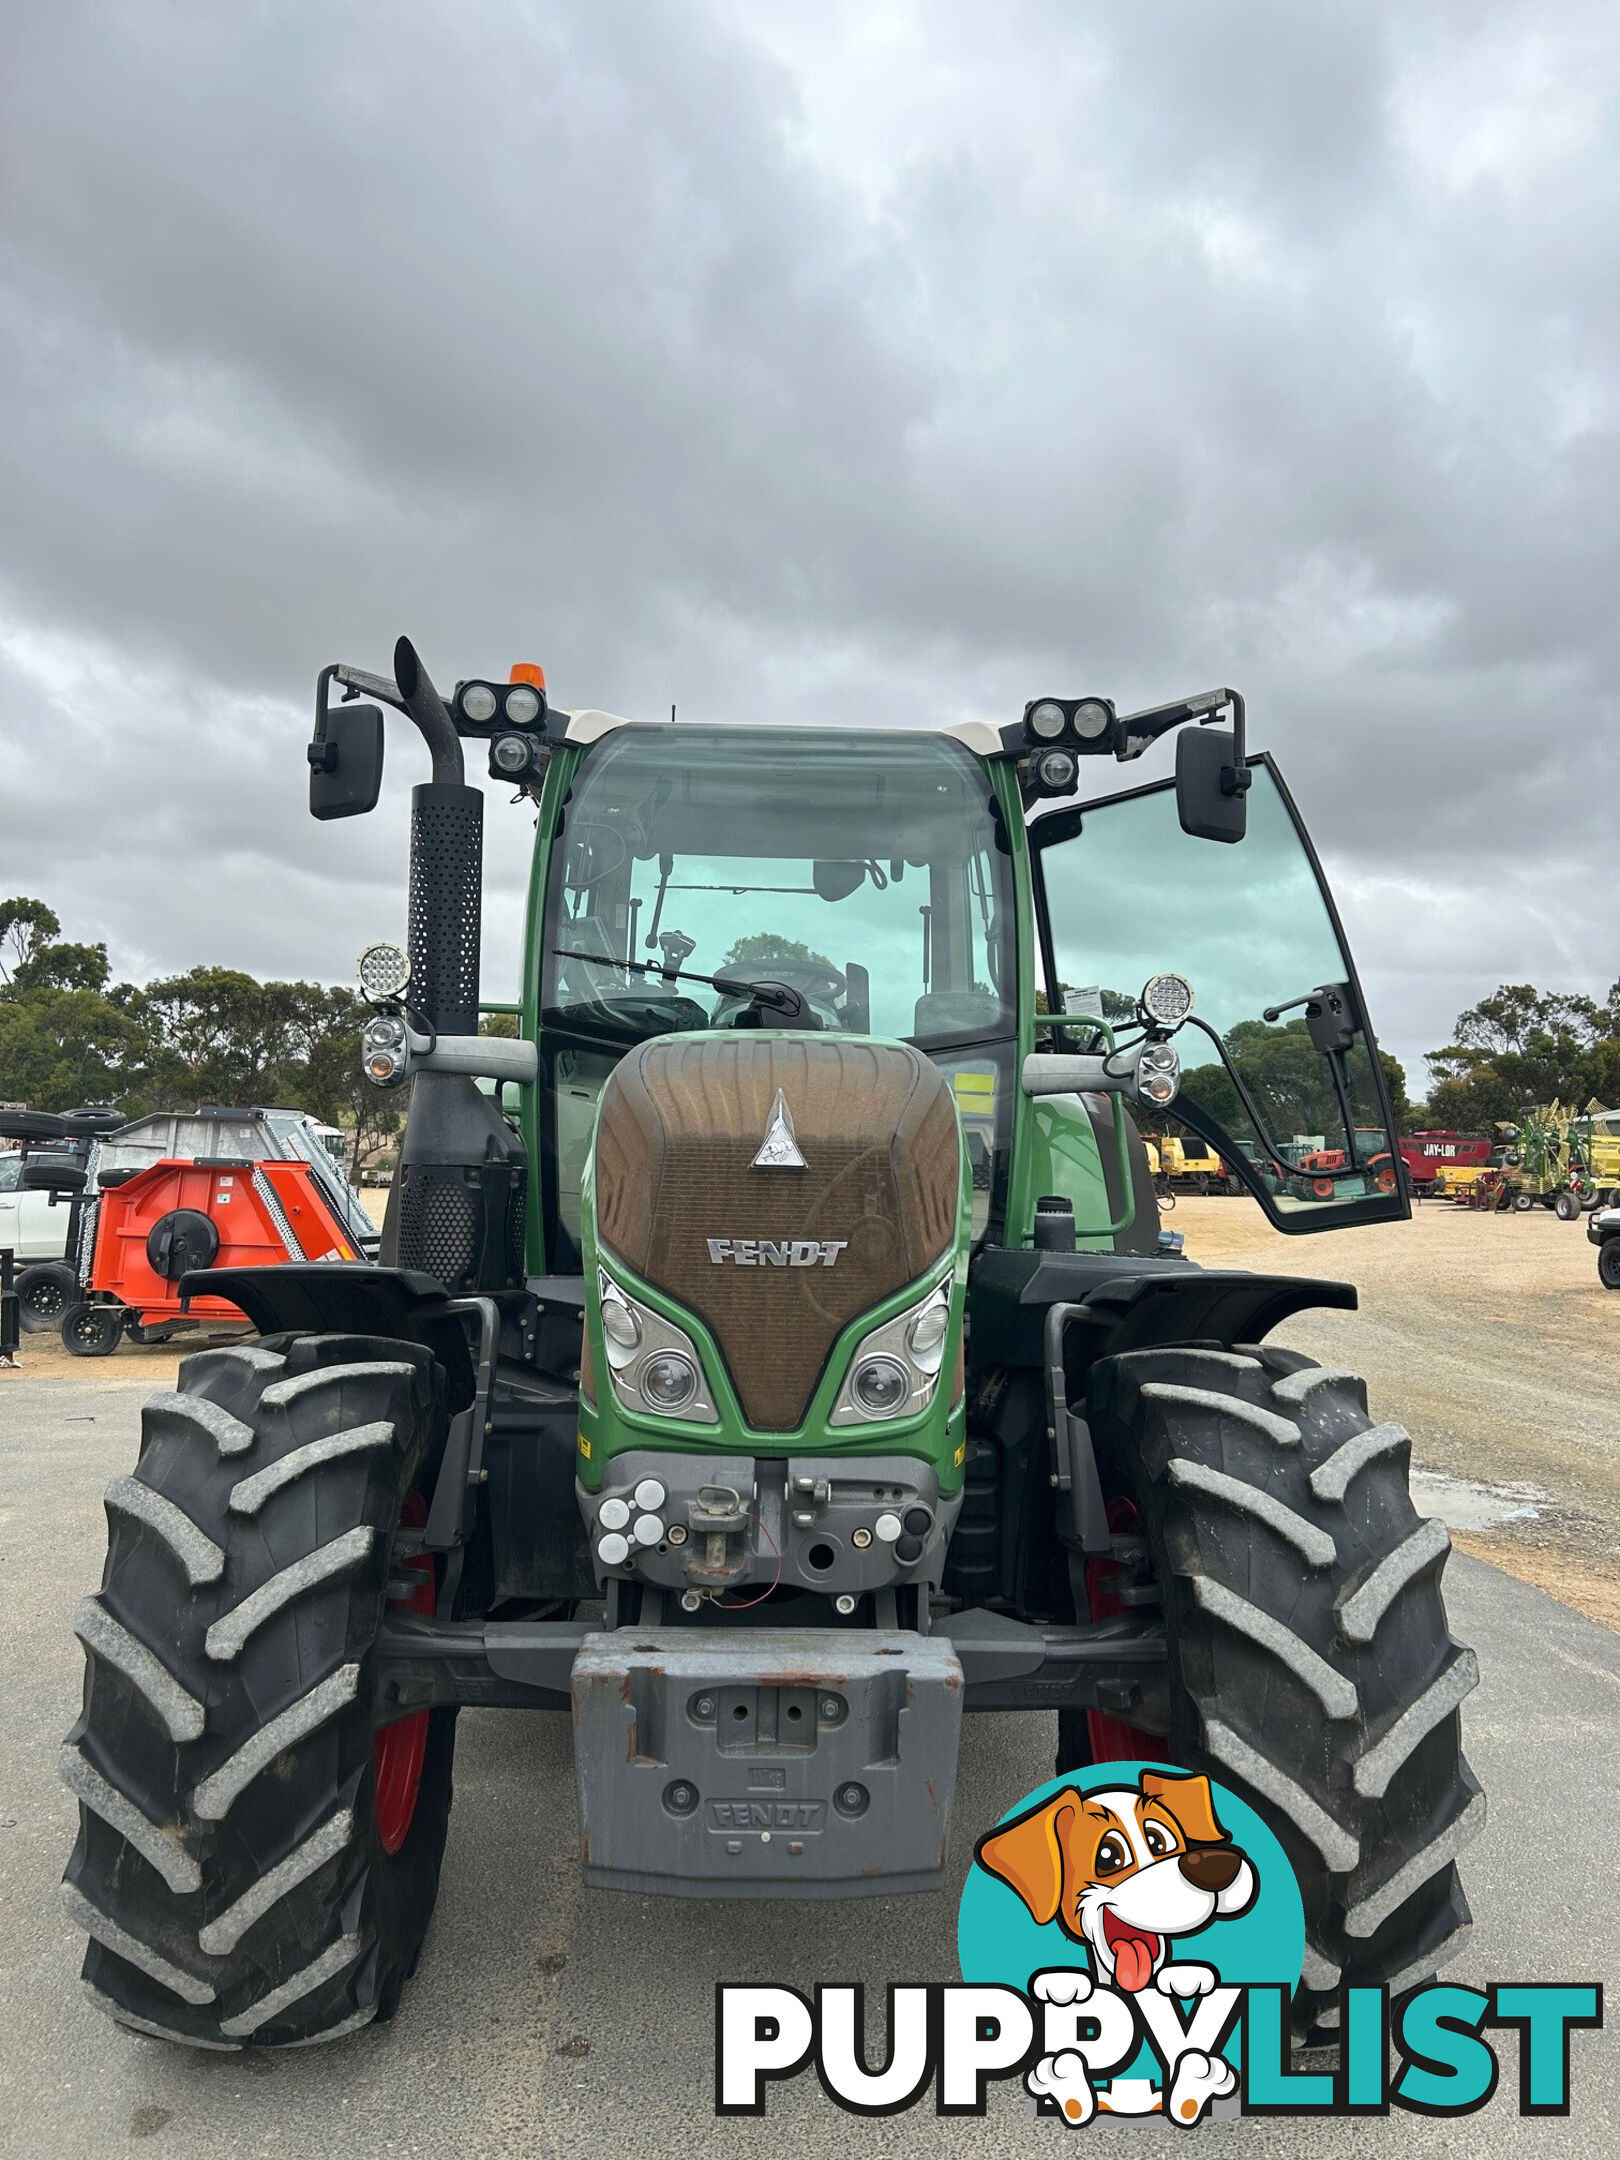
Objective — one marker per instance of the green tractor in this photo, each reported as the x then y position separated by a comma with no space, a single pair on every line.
773,1356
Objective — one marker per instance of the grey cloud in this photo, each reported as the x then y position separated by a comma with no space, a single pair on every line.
791,362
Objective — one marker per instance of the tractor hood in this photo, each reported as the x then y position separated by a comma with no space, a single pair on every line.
776,1186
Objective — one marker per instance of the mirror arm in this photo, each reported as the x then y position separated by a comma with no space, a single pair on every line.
1341,1090
1140,729
1237,778
1250,1105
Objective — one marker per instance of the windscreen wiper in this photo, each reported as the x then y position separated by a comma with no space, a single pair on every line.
775,996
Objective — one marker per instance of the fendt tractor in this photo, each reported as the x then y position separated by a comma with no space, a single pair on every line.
772,1357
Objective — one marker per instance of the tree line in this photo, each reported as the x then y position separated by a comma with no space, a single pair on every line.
71,1036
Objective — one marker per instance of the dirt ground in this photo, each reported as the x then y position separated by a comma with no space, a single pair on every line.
1488,1336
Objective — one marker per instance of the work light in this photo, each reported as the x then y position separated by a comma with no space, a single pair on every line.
511,756
522,705
1056,771
384,971
1046,720
1166,1000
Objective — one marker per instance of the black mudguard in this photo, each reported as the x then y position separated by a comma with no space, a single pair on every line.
329,1297
1131,1303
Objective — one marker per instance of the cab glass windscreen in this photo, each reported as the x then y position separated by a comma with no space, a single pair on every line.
1131,895
859,868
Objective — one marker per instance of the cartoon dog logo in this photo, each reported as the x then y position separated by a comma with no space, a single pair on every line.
1124,1871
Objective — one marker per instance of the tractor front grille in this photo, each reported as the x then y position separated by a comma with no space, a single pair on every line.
678,1191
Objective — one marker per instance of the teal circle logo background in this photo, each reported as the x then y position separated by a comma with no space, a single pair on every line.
998,1940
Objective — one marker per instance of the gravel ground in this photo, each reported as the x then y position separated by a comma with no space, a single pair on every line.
1492,1341
553,2022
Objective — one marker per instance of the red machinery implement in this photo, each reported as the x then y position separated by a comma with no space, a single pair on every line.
1426,1154
158,1214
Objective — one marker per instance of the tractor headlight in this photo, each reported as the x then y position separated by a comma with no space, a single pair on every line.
1158,1074
1046,720
896,1368
1091,719
621,1327
479,702
522,705
384,1050
669,1381
653,1364
880,1384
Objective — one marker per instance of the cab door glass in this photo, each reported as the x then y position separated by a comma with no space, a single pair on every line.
1279,1068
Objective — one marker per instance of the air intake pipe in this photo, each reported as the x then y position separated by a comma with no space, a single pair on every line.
447,864
457,1208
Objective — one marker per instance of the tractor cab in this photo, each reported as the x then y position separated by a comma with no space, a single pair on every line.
693,870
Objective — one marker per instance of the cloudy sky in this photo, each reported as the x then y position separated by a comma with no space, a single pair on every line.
880,361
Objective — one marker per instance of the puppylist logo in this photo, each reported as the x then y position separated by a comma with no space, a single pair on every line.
1130,1938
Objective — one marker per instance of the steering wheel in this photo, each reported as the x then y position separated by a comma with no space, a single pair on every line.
814,978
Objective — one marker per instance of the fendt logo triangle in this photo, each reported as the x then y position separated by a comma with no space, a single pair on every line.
779,1150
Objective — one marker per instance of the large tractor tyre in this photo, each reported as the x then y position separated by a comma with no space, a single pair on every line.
1609,1263
44,1293
257,1856
1311,1666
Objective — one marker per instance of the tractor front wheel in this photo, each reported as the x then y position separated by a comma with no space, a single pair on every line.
1311,1666
258,1852
1567,1206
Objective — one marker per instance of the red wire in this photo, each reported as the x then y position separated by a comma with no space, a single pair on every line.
775,1580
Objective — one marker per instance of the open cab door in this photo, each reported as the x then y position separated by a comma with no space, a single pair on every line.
1280,1071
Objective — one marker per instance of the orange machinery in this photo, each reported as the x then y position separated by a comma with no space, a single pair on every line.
152,1225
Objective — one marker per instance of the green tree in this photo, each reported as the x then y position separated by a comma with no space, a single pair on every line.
25,925
1522,1046
766,945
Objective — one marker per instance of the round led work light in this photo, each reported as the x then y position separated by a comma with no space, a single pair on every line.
522,705
1046,721
1166,1000
479,702
384,972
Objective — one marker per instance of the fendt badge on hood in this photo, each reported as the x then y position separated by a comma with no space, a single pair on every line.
776,1252
780,1150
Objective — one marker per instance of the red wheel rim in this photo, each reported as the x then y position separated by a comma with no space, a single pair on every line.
399,1750
1110,1738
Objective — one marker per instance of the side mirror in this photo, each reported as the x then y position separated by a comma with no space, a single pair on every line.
1211,785
52,1174
346,761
